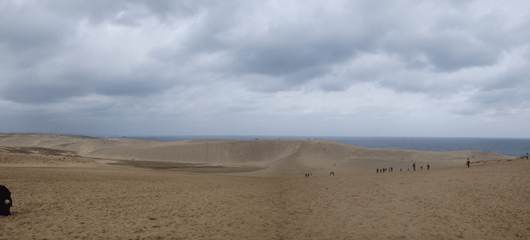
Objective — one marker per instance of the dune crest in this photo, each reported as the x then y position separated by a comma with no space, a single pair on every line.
279,157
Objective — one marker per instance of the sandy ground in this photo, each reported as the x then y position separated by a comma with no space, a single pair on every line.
61,192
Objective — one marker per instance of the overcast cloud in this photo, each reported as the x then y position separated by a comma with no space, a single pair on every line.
333,68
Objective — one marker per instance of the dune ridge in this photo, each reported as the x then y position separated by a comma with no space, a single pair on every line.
277,157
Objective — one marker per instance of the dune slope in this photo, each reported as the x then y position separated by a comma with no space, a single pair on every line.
279,157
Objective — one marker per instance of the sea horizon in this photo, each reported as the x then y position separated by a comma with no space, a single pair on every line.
506,146
514,147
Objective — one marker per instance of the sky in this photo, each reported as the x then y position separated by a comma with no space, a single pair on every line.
287,68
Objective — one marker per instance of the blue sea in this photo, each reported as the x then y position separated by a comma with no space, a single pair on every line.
505,146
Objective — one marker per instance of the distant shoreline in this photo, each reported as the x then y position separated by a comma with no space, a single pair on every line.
514,147
506,146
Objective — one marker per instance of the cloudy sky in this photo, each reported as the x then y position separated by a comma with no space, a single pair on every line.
311,68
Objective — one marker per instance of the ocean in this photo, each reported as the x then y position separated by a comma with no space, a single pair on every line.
505,146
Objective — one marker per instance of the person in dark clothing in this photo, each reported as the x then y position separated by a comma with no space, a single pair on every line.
428,166
468,162
414,166
5,201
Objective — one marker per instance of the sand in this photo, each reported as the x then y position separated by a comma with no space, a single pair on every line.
213,189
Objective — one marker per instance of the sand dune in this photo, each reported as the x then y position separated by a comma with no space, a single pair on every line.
278,156
60,190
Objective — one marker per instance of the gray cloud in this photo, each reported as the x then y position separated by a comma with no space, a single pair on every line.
167,61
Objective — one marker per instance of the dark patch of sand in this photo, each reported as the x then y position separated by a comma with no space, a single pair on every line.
39,150
185,167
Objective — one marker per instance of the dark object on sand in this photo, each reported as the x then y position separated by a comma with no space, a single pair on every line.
5,201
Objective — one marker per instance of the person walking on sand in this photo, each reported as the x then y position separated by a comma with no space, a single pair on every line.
421,167
467,163
414,166
428,166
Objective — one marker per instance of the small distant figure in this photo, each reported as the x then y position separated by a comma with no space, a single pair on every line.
391,169
6,201
414,166
408,169
421,167
428,166
526,156
400,169
377,170
468,162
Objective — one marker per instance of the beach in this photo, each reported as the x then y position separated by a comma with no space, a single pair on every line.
67,187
